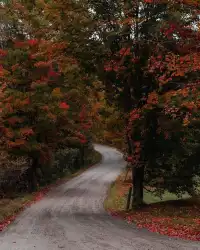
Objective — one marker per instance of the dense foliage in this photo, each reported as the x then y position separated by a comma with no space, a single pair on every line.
129,68
44,104
151,66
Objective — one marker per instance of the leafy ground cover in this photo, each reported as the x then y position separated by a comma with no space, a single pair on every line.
10,208
170,216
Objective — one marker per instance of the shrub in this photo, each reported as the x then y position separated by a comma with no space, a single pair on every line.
12,171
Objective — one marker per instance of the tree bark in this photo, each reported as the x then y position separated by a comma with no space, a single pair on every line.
138,180
82,155
32,180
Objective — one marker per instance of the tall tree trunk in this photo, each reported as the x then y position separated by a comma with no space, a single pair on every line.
137,171
138,180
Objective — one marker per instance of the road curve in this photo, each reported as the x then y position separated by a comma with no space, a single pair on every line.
72,217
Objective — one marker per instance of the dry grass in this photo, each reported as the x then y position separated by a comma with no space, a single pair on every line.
8,207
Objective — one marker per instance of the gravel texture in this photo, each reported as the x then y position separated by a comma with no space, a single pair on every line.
72,217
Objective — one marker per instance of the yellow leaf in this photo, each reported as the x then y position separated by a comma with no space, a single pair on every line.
57,92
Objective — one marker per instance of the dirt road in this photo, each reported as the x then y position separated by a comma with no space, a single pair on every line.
72,217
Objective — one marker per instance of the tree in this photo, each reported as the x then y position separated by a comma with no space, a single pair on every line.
42,110
150,28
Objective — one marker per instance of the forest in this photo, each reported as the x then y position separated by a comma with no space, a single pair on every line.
120,73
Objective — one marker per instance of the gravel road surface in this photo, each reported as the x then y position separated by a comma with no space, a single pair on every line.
72,217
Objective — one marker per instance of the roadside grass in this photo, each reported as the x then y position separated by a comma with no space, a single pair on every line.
150,198
9,208
170,216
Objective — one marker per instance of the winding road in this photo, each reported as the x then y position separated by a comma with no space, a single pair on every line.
72,217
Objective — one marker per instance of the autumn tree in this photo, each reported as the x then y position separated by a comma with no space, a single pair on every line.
146,29
43,85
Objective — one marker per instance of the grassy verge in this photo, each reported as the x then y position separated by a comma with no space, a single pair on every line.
9,208
170,216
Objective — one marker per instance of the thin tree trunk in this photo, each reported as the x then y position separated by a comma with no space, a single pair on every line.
32,180
82,155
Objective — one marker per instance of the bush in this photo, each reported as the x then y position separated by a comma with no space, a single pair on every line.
66,160
12,171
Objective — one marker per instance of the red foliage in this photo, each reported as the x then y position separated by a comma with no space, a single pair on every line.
161,225
152,98
129,159
83,141
172,218
14,120
19,44
52,73
81,137
64,105
26,131
3,53
42,64
125,51
32,42
18,143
